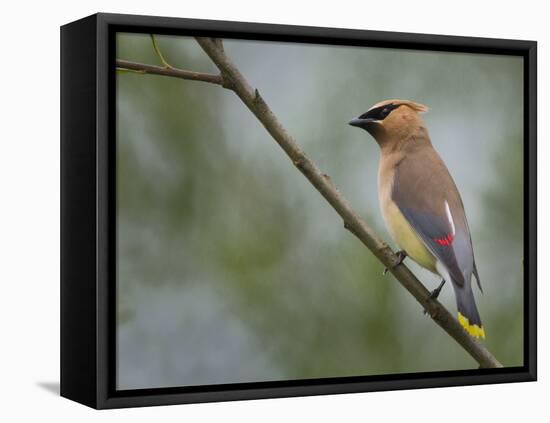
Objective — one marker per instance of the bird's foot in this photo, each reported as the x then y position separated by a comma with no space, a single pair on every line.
435,293
401,255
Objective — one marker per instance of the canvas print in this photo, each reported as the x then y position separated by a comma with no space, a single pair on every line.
272,197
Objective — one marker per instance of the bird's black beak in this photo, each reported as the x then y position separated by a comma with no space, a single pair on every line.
362,123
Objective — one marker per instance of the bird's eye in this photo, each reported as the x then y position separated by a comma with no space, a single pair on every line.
385,112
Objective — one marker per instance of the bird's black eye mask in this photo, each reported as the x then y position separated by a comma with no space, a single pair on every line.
379,113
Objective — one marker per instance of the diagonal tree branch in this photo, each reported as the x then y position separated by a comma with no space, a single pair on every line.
233,79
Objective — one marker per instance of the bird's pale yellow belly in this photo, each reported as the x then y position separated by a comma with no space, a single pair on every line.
403,234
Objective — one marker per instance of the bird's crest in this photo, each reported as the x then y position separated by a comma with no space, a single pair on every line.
417,107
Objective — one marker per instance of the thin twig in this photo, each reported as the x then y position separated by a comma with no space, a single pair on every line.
159,54
352,222
173,72
121,70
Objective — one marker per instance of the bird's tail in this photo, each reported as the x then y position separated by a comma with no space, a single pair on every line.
468,316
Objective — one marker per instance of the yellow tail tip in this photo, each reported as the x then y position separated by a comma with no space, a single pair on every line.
474,330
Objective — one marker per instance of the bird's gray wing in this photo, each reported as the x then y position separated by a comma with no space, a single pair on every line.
427,196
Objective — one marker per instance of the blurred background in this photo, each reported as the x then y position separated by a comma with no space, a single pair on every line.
232,267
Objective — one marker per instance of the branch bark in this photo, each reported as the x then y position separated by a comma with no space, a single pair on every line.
231,77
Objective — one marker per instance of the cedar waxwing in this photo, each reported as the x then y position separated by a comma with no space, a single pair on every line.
421,204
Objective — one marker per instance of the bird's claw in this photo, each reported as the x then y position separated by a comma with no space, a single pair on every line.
435,293
401,255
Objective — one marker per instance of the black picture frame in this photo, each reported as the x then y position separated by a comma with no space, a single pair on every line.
88,283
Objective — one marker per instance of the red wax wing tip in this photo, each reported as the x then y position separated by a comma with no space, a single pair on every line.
448,240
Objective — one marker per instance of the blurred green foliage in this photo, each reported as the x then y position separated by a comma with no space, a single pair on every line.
232,268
